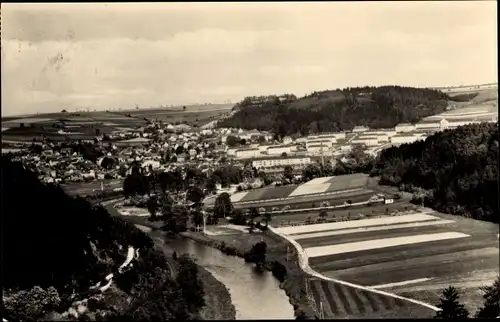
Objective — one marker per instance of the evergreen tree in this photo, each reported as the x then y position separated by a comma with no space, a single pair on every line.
491,307
450,306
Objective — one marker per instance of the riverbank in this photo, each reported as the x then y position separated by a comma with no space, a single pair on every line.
294,283
218,303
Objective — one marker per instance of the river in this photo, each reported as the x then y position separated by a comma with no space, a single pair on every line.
255,294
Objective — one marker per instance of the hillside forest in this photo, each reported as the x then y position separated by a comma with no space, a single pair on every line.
454,171
337,110
55,248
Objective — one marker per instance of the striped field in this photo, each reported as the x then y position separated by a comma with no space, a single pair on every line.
414,256
318,187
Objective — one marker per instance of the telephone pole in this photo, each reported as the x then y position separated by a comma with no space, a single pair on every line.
322,157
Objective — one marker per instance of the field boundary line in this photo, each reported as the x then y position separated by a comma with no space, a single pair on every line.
304,265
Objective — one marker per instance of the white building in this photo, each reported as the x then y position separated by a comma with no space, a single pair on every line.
336,135
382,135
456,123
366,140
248,135
407,138
405,127
358,129
317,149
279,149
247,153
437,125
281,162
326,142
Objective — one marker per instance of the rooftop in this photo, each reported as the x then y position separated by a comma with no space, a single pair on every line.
280,157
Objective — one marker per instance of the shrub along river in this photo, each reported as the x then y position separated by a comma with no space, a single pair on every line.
255,294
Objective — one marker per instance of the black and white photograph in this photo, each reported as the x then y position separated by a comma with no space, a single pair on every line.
249,160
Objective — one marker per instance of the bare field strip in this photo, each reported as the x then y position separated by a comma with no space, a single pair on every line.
455,264
340,183
373,236
308,189
382,255
238,196
369,229
355,224
380,243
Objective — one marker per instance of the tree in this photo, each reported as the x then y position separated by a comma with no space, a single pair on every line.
64,111
491,306
197,218
253,213
31,305
288,172
323,214
232,141
450,306
258,253
243,141
261,139
284,154
195,195
184,108
223,206
108,162
251,226
301,315
191,287
152,205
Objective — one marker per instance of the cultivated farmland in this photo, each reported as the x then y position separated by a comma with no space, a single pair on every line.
301,202
414,255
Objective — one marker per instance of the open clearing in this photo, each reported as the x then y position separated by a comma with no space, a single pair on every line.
415,256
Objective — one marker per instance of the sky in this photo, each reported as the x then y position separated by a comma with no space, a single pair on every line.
103,56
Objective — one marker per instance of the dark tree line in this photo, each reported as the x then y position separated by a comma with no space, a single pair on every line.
454,171
140,183
55,245
330,111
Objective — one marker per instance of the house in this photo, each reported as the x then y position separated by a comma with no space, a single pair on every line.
270,162
247,153
405,127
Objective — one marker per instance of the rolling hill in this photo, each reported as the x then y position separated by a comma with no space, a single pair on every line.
338,110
